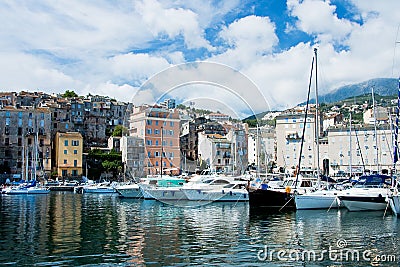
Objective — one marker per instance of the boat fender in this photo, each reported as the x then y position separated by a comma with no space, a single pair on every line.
288,189
223,192
230,192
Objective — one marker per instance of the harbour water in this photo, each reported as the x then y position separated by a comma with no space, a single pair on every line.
66,229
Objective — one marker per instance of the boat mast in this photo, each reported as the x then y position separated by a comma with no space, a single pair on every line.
351,151
376,132
317,126
396,134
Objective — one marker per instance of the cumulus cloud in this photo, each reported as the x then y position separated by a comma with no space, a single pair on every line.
172,22
319,18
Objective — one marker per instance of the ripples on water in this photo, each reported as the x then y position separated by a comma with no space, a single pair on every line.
66,229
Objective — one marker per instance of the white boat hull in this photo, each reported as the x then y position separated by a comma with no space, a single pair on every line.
99,190
166,193
353,205
216,195
26,191
306,202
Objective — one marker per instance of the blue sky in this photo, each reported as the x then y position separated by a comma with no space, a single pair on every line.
113,47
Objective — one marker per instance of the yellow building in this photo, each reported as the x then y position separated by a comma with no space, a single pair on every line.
68,152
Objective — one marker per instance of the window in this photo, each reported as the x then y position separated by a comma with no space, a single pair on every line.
64,173
148,131
42,115
65,142
74,172
171,132
171,123
156,131
170,143
30,115
156,122
149,122
149,154
66,126
65,161
156,163
75,163
19,141
7,114
75,142
7,141
7,130
157,154
156,142
8,120
149,142
65,152
75,152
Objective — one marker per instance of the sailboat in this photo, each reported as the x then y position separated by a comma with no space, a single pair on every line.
32,187
282,198
394,195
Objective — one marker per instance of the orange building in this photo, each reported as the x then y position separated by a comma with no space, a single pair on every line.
159,127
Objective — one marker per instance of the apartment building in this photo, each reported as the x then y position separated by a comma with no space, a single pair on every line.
159,128
25,141
68,154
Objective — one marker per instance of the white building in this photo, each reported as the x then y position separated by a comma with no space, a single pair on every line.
216,151
261,146
289,133
364,151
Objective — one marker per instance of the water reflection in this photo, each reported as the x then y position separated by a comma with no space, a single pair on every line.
66,229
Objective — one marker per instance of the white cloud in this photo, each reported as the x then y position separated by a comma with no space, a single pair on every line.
319,17
172,22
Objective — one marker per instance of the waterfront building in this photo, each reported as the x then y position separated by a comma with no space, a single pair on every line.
289,133
237,134
68,154
159,127
216,151
25,135
133,156
368,151
262,147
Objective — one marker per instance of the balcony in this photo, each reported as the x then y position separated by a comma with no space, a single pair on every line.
293,136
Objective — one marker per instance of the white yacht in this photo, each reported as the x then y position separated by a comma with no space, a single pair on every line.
162,187
216,189
369,193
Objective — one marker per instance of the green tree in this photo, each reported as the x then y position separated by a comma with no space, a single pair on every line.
69,93
119,130
112,166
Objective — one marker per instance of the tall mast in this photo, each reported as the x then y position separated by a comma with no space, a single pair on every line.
351,151
317,127
376,132
396,134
